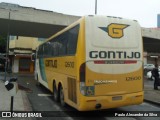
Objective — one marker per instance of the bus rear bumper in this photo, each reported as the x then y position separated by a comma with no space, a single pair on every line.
106,102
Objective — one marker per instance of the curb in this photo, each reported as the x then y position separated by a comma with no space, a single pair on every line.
17,74
26,103
152,102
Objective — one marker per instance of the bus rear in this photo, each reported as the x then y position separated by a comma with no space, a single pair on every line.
111,76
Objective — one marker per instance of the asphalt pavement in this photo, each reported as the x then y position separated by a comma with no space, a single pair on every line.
21,102
151,95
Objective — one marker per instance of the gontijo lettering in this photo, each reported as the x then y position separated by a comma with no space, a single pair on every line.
114,54
51,63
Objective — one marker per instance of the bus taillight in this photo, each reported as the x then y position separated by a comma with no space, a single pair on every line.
82,78
82,72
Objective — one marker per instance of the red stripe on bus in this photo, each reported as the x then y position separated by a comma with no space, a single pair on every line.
130,61
99,62
115,62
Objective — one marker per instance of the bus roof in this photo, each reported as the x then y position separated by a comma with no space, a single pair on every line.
78,21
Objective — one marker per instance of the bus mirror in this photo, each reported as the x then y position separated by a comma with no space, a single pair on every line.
33,56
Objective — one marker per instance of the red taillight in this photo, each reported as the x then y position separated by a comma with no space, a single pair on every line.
82,76
85,90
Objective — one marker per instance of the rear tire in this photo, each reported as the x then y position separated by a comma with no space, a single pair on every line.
55,93
62,97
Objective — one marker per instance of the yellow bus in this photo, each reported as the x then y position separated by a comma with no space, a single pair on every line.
95,63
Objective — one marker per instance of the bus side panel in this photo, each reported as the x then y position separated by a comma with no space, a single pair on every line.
41,73
62,70
80,59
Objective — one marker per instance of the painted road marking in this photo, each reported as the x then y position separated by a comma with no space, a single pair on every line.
44,95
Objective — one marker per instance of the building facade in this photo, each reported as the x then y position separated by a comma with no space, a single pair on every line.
20,51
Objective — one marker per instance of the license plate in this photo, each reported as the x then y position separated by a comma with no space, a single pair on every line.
117,98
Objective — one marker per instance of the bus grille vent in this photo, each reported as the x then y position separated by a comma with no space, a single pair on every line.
72,94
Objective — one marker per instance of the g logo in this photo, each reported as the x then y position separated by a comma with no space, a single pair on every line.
115,30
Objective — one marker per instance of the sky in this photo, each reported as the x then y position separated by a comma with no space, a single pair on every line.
144,11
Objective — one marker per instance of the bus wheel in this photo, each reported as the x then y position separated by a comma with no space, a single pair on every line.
55,93
62,97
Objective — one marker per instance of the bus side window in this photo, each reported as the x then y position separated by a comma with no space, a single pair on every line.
72,40
56,47
47,49
51,49
63,44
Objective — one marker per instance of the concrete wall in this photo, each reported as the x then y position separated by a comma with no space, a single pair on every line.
28,21
145,58
24,44
29,14
151,33
15,67
12,44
